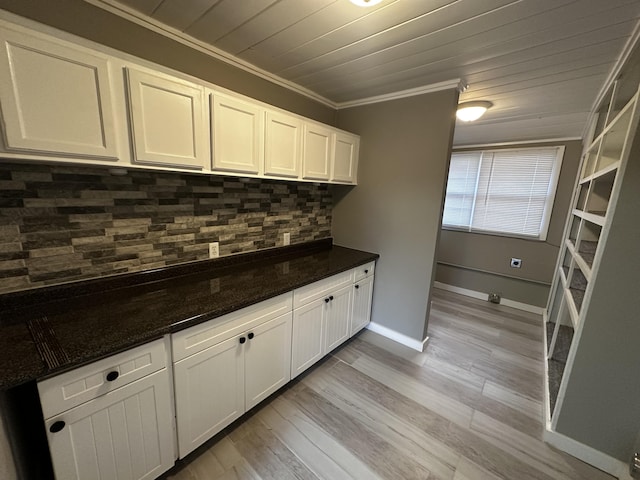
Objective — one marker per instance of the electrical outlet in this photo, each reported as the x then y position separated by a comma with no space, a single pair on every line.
516,262
494,297
214,250
286,238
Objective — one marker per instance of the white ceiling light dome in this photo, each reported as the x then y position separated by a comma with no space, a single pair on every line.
470,111
365,3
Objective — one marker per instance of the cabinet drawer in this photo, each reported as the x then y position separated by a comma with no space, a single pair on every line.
197,338
309,293
363,271
68,390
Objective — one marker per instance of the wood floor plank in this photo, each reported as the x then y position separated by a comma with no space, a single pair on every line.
513,399
432,454
468,395
381,456
467,408
323,441
466,442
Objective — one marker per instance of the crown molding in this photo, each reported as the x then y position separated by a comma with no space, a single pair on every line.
128,13
411,92
138,18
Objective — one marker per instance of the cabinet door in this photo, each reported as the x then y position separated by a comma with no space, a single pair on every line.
55,99
345,158
362,296
283,145
209,393
308,336
238,134
126,433
338,318
267,359
167,120
316,152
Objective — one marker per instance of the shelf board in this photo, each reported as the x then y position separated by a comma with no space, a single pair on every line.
584,266
602,172
571,306
590,217
615,120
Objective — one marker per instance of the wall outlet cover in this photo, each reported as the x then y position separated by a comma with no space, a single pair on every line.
214,250
494,297
286,238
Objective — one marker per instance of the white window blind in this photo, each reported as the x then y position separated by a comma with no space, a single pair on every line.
508,192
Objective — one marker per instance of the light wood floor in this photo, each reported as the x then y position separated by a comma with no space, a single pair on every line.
468,408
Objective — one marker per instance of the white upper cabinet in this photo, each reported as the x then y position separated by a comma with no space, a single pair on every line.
283,145
55,98
84,103
317,150
237,134
345,158
168,120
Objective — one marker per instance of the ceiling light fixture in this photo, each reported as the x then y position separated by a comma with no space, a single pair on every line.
470,111
365,3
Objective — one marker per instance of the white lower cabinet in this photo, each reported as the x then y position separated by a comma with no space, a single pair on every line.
114,418
338,318
307,346
217,385
362,297
323,318
126,433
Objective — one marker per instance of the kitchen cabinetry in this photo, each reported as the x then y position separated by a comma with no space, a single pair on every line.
168,120
321,319
283,145
316,152
56,98
237,132
112,418
226,366
344,166
97,107
362,297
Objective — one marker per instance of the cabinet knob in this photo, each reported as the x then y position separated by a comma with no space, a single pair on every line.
242,339
366,271
357,287
326,300
57,426
250,335
111,376
330,297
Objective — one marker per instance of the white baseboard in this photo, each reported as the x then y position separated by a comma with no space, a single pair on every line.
587,454
398,337
483,296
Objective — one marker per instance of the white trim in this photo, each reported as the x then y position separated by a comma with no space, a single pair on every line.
397,336
587,454
520,142
411,92
138,18
483,296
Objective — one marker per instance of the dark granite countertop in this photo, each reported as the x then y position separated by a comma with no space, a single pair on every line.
84,321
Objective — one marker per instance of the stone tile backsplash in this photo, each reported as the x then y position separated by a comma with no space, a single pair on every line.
63,223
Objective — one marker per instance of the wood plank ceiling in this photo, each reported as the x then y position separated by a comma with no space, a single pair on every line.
541,62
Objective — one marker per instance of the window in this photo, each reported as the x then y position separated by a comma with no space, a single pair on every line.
504,192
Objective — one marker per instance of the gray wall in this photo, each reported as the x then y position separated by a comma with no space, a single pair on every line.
396,209
602,402
481,262
85,20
